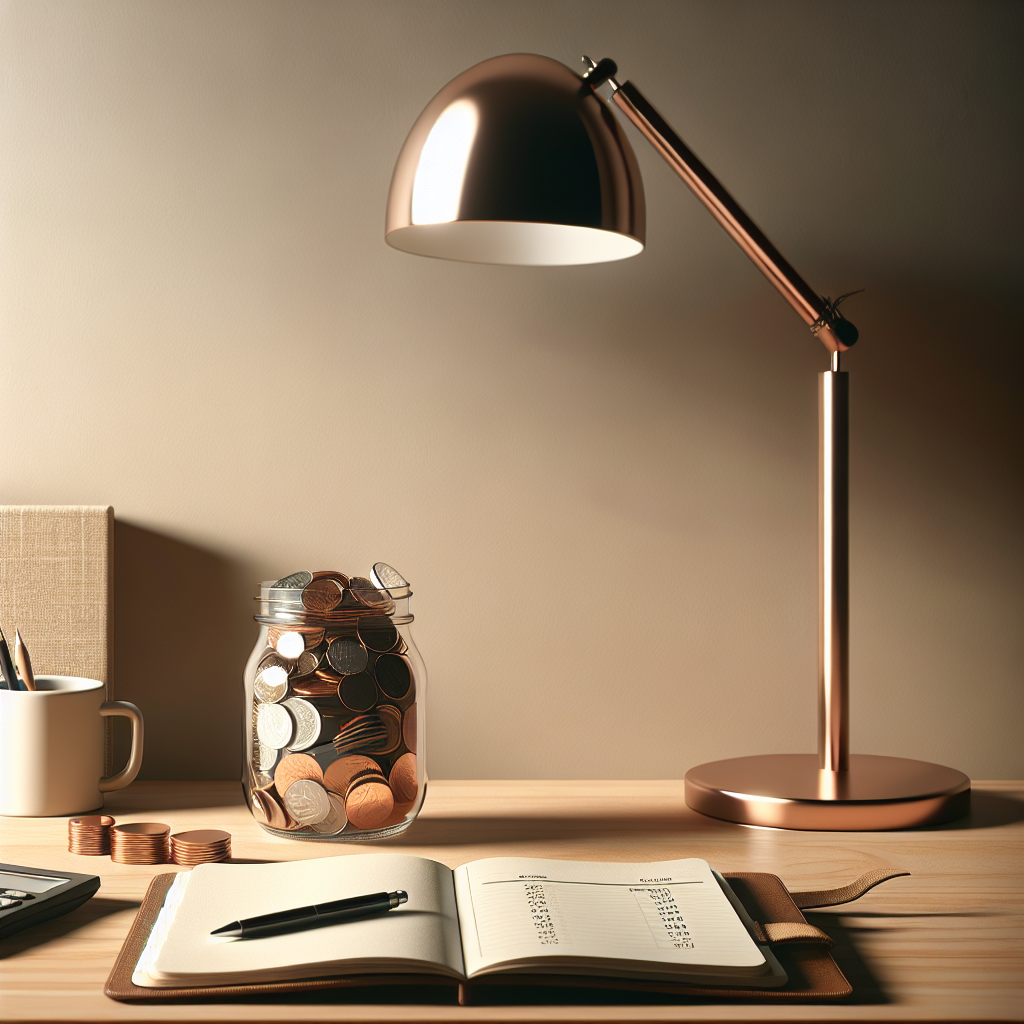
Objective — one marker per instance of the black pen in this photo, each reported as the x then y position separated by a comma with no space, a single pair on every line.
311,917
7,666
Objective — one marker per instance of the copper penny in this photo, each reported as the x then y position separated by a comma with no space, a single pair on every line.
322,595
358,693
367,594
394,674
369,802
270,811
295,767
392,719
315,687
329,574
409,728
378,632
339,774
403,778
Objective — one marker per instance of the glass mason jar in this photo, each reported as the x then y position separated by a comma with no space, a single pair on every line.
333,720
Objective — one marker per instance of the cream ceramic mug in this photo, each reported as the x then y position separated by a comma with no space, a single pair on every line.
51,747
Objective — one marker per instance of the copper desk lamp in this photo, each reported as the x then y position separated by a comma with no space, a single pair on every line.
519,161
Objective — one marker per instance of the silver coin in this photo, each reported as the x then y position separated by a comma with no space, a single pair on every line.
307,664
264,755
270,684
307,802
290,645
307,723
347,656
336,819
273,659
385,577
296,581
274,725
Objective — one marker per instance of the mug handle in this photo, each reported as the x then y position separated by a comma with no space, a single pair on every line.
127,774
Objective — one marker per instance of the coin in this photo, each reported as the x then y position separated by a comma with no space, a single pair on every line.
365,592
339,774
307,723
402,779
267,808
359,693
89,835
364,734
331,574
311,635
409,728
336,819
307,664
322,595
307,802
296,581
377,632
274,726
262,780
294,767
392,719
387,578
266,755
270,684
369,802
394,674
315,687
347,656
141,842
290,644
273,660
200,846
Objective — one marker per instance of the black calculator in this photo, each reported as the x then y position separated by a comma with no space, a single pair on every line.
31,895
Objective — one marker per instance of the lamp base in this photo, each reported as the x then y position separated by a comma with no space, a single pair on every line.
790,791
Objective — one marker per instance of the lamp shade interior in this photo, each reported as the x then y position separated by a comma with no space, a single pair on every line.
517,161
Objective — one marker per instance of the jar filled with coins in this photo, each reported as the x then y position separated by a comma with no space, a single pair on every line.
333,728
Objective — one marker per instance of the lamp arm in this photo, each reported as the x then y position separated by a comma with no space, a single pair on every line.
820,314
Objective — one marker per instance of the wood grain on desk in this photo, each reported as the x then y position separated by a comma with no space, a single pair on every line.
943,944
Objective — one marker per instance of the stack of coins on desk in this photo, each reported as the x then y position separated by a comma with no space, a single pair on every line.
141,842
89,836
333,728
202,846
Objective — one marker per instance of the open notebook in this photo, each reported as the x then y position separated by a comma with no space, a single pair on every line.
670,921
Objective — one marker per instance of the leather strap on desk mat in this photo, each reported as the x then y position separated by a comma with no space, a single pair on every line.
800,947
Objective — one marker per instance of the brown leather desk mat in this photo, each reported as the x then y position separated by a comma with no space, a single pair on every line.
801,948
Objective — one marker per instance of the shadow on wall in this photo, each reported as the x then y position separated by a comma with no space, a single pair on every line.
181,639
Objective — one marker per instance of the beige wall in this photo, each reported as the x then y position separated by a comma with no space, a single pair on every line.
600,480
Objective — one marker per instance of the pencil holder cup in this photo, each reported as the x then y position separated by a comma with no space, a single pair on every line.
333,728
51,747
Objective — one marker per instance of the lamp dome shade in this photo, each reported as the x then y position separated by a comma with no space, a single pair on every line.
517,161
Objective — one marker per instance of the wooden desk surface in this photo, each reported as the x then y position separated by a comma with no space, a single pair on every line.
943,944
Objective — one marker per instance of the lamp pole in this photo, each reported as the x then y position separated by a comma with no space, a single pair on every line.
841,791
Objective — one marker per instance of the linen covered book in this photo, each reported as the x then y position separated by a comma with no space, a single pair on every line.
674,921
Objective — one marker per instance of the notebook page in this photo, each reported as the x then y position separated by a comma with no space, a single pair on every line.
420,934
671,915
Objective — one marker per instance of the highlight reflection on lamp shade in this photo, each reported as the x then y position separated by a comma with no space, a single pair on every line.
517,161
